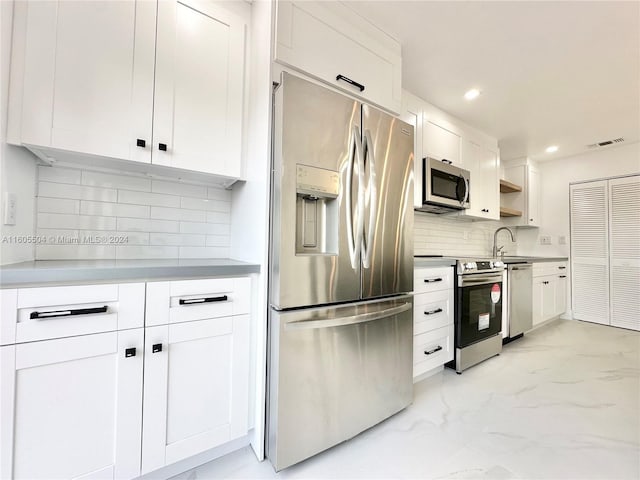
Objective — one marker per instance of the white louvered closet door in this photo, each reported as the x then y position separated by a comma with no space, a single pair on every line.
590,252
624,239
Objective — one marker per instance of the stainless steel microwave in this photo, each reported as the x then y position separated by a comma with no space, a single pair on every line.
445,187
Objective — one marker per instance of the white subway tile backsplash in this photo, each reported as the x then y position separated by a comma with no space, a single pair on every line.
126,252
440,235
144,225
205,228
205,204
76,192
58,205
75,252
218,241
204,252
218,217
178,214
153,199
124,182
177,239
81,222
219,194
96,215
58,175
182,189
114,209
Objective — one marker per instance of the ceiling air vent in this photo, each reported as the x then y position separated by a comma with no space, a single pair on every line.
606,143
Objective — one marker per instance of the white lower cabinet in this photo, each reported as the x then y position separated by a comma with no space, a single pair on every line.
432,319
549,291
72,407
195,388
75,360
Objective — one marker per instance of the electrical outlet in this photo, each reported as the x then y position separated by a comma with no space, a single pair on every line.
9,210
545,239
562,240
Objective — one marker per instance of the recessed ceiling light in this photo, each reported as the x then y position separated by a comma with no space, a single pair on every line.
472,94
552,149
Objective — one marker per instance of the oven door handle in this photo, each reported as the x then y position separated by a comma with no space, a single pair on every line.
348,320
472,282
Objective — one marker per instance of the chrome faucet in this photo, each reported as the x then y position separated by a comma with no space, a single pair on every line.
495,238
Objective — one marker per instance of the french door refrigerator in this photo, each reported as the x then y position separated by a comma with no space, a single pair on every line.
341,321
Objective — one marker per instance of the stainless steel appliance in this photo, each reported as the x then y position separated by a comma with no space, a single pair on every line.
445,187
340,323
478,312
519,306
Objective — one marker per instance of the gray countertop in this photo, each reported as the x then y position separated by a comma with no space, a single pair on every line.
525,259
448,261
52,272
434,262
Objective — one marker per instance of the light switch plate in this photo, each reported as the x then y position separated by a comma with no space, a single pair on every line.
9,209
562,240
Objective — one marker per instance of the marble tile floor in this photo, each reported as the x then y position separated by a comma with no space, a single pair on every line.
561,403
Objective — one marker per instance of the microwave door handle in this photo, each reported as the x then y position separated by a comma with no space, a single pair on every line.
466,190
348,320
368,151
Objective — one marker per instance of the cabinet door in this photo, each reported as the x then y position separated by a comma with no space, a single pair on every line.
538,300
490,167
472,156
533,197
548,298
561,294
195,388
72,408
440,142
199,85
87,75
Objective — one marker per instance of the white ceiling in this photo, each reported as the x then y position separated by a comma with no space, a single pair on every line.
563,73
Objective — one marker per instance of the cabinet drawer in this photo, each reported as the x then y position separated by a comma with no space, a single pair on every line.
548,268
186,300
432,310
432,349
432,279
32,314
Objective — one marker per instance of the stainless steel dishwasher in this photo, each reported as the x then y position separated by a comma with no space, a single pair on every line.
520,306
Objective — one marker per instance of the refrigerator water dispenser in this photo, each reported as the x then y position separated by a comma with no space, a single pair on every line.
316,210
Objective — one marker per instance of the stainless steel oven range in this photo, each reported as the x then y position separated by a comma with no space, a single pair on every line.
478,312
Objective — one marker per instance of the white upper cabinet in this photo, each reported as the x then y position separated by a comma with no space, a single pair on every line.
329,41
199,88
440,142
484,165
523,206
82,80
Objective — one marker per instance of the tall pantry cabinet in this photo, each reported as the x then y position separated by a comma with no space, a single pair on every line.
605,251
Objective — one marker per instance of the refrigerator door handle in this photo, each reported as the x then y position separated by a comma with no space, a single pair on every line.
349,320
372,198
355,227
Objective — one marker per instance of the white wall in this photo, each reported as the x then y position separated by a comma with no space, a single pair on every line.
555,177
17,165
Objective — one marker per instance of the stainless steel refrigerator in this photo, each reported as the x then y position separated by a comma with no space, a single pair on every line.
341,269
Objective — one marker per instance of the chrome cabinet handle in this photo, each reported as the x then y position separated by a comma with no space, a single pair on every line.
349,320
433,312
67,313
367,148
359,86
192,301
430,352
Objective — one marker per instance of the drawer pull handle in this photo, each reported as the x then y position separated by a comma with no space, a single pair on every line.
433,312
359,86
563,276
156,347
429,352
130,352
562,268
68,313
196,301
432,280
